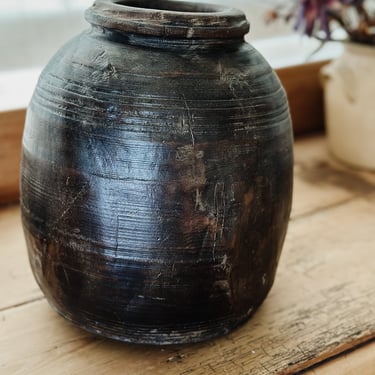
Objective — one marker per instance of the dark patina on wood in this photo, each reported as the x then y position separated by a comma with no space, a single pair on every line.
157,173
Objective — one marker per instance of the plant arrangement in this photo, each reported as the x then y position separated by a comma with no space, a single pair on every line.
321,18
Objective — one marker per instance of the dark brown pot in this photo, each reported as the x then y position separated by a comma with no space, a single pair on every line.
157,173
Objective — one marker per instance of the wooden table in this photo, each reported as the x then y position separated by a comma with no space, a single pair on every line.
321,306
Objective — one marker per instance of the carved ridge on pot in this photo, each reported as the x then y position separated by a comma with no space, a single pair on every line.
170,19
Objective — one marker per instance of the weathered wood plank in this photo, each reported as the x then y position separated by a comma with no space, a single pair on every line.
17,283
323,303
11,128
361,361
321,182
305,95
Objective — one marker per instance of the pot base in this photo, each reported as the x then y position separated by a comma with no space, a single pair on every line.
188,334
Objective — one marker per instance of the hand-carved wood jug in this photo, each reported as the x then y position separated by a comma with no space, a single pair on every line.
157,173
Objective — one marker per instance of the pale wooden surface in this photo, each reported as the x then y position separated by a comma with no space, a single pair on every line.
358,362
322,303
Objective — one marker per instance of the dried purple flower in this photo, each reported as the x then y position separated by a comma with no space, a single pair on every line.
313,16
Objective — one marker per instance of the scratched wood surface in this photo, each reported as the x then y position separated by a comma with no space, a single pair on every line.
322,303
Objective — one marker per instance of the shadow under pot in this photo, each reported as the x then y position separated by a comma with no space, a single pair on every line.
157,173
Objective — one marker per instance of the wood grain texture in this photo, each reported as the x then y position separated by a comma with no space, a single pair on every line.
360,361
322,303
11,128
17,283
305,95
322,182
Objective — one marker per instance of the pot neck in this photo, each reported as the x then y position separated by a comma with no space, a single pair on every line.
160,23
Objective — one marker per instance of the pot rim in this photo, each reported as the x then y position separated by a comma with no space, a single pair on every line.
168,18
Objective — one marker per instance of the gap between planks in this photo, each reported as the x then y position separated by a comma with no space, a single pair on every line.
20,304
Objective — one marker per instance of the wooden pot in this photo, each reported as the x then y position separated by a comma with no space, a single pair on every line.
157,173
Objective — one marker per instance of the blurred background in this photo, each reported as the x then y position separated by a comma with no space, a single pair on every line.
31,31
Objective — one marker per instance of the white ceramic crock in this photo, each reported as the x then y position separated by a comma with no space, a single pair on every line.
349,90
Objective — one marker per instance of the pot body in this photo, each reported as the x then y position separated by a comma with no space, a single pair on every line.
156,184
349,90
